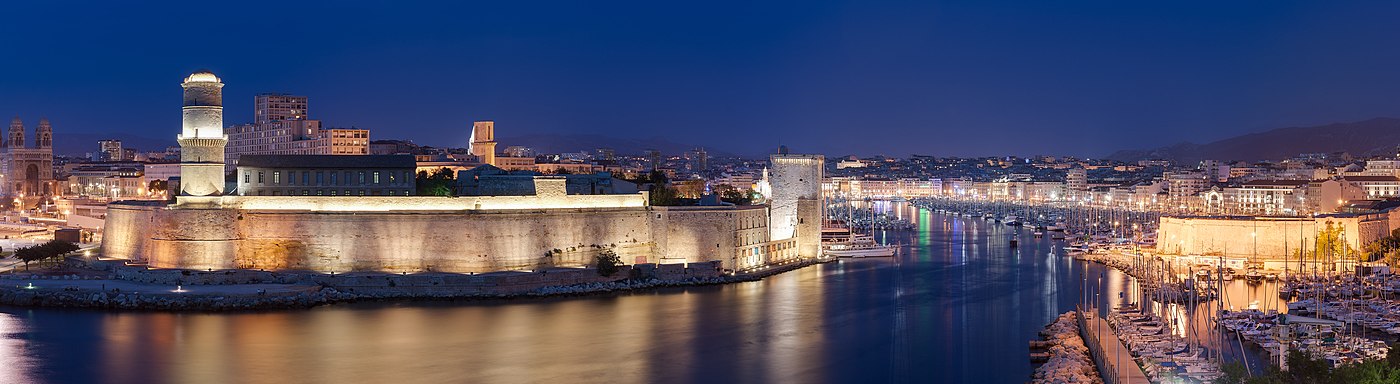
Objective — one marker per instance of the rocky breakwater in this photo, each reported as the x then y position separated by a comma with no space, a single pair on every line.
114,285
1066,358
132,297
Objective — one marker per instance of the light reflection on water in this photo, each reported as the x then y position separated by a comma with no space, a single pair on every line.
958,305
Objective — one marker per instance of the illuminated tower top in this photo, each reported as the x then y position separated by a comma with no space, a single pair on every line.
204,106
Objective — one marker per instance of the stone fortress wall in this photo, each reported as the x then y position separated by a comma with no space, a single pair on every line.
477,241
1265,237
445,234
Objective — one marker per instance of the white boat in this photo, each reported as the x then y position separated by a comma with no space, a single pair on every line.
1012,220
861,247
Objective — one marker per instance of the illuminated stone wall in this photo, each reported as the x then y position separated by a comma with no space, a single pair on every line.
1263,237
794,178
544,200
410,241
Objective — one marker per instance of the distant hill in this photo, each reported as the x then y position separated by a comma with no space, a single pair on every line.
81,143
1370,137
560,143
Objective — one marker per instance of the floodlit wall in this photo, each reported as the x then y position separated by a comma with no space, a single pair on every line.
428,203
1265,237
410,241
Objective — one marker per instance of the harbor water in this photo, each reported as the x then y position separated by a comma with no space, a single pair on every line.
958,304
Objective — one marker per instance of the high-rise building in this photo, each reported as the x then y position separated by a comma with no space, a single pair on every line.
604,154
282,126
109,150
653,159
699,160
269,107
483,141
519,151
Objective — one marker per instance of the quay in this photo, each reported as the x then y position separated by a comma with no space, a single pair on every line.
1113,359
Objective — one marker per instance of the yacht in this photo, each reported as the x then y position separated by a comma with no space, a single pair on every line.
862,246
1253,276
1012,220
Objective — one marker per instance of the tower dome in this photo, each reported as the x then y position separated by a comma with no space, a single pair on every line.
202,76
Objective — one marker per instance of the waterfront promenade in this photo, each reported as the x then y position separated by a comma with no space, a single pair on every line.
1115,361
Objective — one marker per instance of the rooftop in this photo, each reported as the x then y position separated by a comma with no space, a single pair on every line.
327,161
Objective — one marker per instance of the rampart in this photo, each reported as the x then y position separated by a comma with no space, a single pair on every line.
1267,237
253,233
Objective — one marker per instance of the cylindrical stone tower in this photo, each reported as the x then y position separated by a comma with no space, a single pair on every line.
202,141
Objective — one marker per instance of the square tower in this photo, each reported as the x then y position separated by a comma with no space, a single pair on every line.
795,206
483,141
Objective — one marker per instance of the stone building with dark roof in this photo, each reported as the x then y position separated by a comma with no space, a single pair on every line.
326,175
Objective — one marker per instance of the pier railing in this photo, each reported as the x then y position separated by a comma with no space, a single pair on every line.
1107,370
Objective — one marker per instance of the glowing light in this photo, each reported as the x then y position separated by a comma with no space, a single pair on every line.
202,77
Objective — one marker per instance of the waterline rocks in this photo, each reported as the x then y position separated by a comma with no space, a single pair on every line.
131,287
1068,358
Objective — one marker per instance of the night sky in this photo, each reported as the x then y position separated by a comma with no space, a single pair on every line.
866,77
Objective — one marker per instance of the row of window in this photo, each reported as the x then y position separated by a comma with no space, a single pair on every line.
329,192
334,177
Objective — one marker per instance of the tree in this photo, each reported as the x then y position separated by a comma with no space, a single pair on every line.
608,262
29,254
158,186
439,183
730,194
663,195
59,248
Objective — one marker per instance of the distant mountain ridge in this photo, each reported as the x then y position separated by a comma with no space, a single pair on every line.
82,143
567,142
1369,137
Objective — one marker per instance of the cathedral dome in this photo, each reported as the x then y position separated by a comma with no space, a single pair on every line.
202,76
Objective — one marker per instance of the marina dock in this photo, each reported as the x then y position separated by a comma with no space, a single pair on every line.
1113,359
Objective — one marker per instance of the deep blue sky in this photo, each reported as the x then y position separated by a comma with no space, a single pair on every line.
866,77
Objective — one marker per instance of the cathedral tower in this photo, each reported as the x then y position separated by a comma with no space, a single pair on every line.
16,137
202,140
44,134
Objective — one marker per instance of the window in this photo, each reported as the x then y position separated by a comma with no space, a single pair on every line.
362,192
332,192
347,180
321,177
260,177
320,192
305,192
376,177
277,177
362,178
305,178
246,177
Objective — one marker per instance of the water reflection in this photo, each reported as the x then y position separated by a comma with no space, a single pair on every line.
957,305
